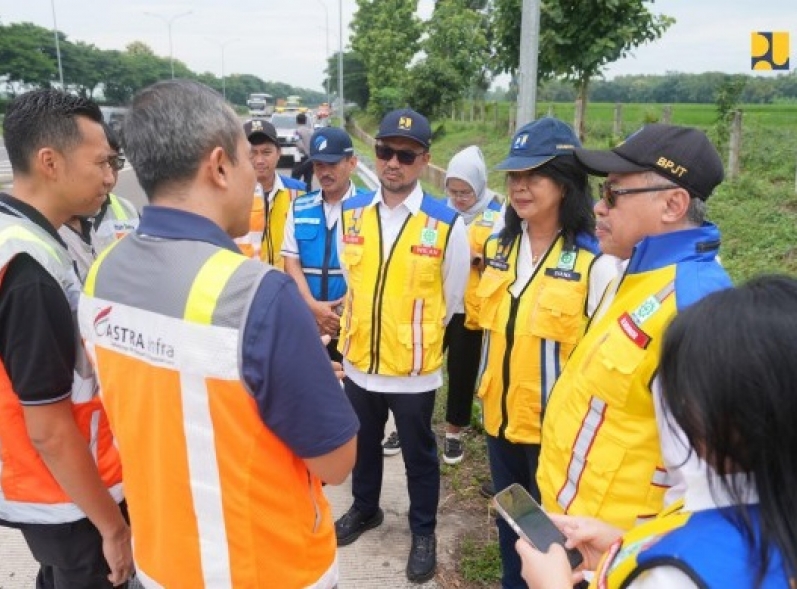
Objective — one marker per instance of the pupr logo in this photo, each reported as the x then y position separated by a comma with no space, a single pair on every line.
769,51
405,123
520,141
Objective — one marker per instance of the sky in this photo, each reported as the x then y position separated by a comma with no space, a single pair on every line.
288,40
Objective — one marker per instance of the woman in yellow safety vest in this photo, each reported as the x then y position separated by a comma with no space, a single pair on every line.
542,279
727,373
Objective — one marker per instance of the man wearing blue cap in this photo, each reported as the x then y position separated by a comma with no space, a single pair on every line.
309,247
406,259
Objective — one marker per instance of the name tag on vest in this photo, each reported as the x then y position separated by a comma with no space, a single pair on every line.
426,250
354,239
563,274
498,264
632,330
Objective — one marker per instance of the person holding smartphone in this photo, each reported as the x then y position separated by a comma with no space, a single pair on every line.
727,374
542,279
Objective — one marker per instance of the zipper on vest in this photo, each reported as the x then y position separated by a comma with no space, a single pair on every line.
510,342
325,263
376,324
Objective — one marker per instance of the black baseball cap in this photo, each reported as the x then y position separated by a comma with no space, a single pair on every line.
683,155
255,128
538,142
330,145
405,122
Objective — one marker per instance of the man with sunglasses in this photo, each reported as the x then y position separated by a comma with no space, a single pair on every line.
405,256
608,449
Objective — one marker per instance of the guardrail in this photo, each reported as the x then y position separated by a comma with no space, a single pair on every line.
367,175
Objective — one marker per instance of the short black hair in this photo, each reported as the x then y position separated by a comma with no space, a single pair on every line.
728,375
44,118
301,119
112,137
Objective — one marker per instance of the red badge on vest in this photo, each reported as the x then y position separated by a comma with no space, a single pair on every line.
426,250
354,239
634,333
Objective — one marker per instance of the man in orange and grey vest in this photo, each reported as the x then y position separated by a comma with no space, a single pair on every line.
60,474
274,194
219,357
406,259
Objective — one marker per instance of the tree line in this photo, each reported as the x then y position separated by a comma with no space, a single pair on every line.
28,60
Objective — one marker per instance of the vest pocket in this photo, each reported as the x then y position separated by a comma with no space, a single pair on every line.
489,294
306,231
612,367
558,312
423,275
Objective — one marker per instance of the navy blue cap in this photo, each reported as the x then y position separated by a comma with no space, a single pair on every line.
330,145
538,142
405,122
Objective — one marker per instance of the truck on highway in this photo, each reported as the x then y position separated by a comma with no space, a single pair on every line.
260,104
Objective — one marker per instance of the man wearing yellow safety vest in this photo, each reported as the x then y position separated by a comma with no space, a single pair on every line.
87,237
608,449
274,194
220,360
405,255
60,474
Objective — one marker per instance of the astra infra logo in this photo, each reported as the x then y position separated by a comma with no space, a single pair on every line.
769,51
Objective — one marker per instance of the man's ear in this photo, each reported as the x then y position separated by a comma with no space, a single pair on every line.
217,166
48,161
676,205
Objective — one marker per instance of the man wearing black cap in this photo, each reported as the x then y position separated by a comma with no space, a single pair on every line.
406,259
309,248
608,449
273,195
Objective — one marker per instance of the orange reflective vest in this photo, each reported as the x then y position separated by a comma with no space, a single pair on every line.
28,491
216,499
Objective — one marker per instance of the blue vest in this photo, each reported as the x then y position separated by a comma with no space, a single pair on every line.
318,249
710,549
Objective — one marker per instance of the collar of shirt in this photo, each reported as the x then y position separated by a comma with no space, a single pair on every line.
278,185
704,489
16,207
169,223
412,202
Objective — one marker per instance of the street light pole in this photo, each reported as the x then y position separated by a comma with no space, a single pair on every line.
340,65
169,22
57,47
223,78
326,55
527,72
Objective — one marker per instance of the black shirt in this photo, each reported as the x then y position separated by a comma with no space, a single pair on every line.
37,330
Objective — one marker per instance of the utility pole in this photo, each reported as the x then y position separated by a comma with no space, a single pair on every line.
223,75
169,22
326,55
340,67
57,47
527,74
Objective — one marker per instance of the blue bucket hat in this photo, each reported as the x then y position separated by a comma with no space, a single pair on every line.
537,143
330,145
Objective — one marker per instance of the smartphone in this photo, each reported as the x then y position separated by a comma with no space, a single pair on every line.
529,521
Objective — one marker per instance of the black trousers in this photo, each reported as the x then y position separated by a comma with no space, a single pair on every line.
70,555
413,415
464,349
304,171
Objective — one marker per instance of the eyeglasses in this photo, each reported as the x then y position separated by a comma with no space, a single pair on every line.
115,162
610,194
406,157
460,194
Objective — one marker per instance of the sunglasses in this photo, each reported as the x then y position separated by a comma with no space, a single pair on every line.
610,194
406,157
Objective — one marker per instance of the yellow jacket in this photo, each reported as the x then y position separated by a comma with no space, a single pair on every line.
395,307
528,339
478,231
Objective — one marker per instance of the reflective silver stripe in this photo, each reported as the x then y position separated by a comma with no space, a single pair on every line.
548,350
417,337
583,444
51,513
319,272
329,580
205,481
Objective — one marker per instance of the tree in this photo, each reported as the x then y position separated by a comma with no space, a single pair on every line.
457,54
577,39
355,78
385,36
27,55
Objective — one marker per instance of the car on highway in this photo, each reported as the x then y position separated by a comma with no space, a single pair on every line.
285,124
